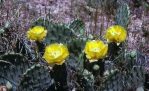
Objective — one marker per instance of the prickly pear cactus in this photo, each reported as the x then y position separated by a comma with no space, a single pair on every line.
59,33
62,33
23,47
56,32
12,68
122,15
36,78
114,82
77,27
75,44
131,77
4,76
23,75
124,81
88,81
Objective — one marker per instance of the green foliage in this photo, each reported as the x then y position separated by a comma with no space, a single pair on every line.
61,33
36,78
77,44
127,72
89,80
119,81
71,34
22,74
12,68
4,76
1,30
41,22
122,15
132,73
77,27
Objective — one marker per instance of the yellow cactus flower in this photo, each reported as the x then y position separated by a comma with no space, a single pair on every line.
116,34
95,50
37,33
56,53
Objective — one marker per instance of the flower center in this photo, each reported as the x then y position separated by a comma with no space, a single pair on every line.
56,54
115,33
95,49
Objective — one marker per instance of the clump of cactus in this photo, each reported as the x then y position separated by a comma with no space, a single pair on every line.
65,59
